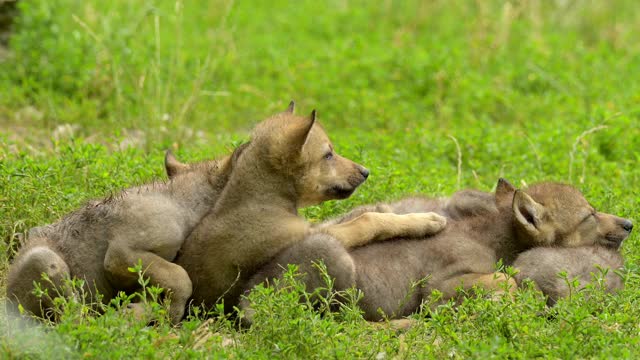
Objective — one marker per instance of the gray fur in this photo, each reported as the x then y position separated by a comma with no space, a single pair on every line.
99,241
542,266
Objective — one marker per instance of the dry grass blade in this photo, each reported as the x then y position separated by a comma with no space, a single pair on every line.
459,152
574,149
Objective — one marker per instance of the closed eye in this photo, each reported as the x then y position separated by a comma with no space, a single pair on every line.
591,215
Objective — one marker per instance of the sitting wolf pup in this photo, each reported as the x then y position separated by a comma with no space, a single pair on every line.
101,240
463,254
289,163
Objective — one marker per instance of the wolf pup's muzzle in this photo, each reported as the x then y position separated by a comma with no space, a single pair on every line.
355,180
616,238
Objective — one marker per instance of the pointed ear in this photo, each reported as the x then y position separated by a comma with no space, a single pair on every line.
312,120
301,134
291,107
528,212
312,117
504,188
172,165
504,192
237,152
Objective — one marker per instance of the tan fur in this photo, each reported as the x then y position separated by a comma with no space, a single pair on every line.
371,226
100,241
561,216
289,163
481,230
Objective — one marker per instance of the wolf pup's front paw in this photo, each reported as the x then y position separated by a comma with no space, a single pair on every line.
429,223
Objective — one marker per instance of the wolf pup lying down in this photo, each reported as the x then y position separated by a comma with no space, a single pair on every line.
464,254
542,266
288,163
98,242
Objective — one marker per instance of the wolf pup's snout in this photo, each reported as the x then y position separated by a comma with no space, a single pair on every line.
627,225
358,176
365,173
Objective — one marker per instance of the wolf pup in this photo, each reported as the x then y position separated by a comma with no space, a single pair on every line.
289,163
542,266
101,240
462,255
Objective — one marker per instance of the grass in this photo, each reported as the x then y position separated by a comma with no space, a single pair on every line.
431,96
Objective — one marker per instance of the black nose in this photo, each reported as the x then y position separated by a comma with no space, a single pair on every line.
364,172
627,225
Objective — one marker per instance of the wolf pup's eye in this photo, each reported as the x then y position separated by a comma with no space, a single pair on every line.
328,156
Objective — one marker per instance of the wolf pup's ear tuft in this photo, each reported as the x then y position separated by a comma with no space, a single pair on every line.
291,107
301,128
504,187
528,213
237,152
312,119
172,165
504,192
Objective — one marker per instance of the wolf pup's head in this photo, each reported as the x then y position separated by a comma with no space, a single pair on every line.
554,214
298,148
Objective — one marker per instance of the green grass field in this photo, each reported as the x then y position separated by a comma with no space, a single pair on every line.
93,92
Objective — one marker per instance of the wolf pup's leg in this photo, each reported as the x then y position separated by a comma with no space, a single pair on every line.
28,268
171,277
377,208
374,226
312,250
